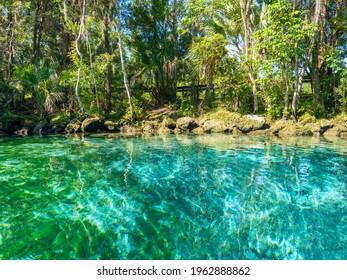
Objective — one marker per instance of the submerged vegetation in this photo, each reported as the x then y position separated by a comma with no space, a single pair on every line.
69,59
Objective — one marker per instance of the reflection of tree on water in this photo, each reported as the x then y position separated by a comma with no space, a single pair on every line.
279,217
130,150
173,198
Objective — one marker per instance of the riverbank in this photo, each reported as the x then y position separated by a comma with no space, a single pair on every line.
165,121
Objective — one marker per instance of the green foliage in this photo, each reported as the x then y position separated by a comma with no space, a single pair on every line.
187,108
307,118
10,96
271,90
207,52
284,39
341,92
312,107
336,61
286,33
169,43
232,86
40,82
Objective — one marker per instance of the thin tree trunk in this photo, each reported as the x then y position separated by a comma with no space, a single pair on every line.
337,32
65,11
247,14
254,90
10,36
40,11
300,76
237,103
93,74
81,56
36,27
173,68
314,50
286,93
39,37
245,26
108,81
125,79
315,80
209,96
193,88
298,88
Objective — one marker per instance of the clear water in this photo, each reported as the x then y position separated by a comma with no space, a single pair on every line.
172,197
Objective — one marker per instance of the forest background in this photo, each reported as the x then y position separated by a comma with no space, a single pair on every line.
120,59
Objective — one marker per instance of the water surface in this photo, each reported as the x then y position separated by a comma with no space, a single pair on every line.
172,197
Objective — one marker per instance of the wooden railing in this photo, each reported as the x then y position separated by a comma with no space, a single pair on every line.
178,88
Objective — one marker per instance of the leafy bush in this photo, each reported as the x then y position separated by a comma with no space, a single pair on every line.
312,107
187,108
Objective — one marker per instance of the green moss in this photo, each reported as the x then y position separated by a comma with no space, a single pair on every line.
304,131
59,118
223,115
307,118
341,119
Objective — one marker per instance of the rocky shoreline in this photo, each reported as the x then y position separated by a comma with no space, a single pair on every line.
169,123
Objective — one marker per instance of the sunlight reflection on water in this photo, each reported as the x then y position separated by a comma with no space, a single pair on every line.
173,197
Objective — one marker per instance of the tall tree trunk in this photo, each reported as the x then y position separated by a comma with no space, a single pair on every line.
209,96
125,79
193,90
173,62
80,56
254,90
300,75
92,72
297,90
315,80
108,81
66,17
286,93
193,77
36,27
318,44
10,35
40,11
331,31
247,15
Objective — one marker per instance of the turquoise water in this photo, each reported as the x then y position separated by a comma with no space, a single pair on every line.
172,197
